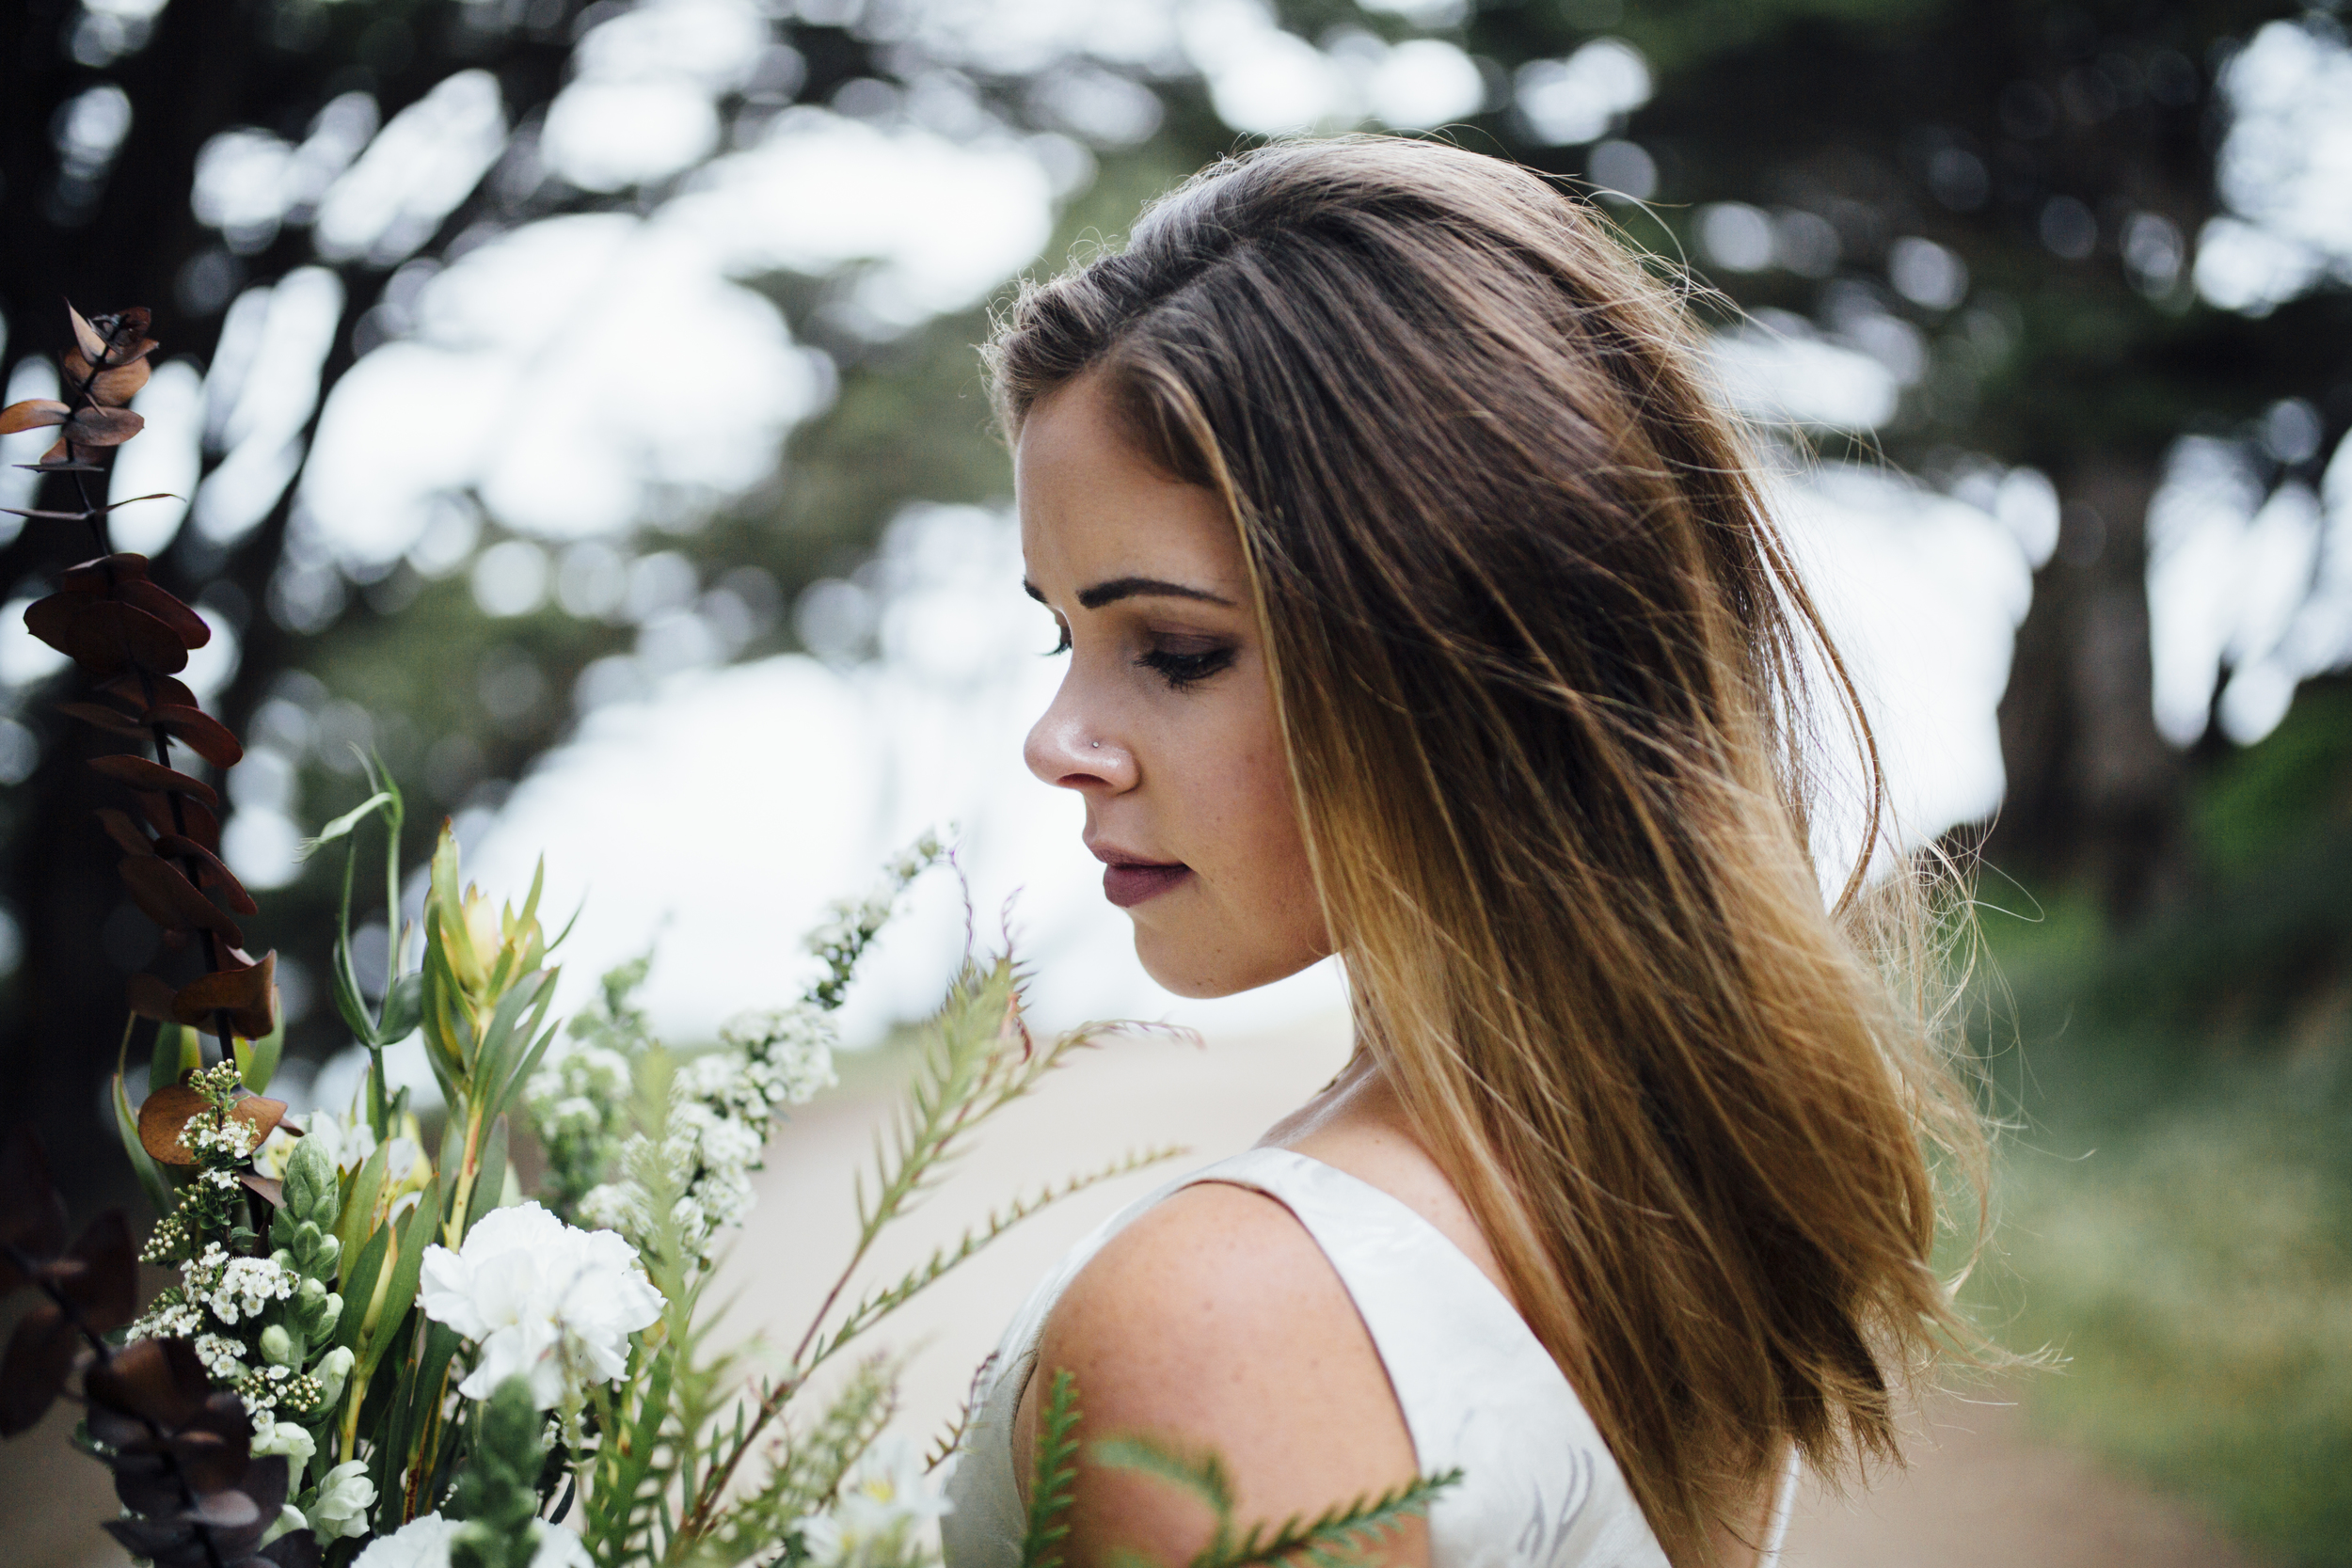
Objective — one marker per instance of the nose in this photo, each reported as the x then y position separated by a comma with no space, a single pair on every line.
1065,749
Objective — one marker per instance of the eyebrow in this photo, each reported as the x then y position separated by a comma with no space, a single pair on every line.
1132,588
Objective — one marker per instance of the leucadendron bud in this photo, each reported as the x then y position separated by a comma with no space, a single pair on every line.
488,947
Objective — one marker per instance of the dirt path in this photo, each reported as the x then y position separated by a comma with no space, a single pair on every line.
1981,1491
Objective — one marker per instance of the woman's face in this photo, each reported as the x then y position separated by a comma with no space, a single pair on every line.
1164,720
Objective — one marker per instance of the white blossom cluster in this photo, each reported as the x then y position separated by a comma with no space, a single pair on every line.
879,1514
216,1292
578,1090
234,1287
853,922
722,1108
227,1143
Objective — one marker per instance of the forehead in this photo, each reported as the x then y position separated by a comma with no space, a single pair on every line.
1092,507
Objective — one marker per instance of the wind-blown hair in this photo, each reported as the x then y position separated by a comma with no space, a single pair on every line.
1538,656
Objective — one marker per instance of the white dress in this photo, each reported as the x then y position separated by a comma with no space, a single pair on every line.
1478,1390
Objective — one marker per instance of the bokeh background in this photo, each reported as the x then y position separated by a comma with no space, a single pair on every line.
576,406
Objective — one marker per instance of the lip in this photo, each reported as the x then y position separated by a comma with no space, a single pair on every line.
1130,880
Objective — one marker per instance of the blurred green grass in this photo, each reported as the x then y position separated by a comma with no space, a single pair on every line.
2176,1201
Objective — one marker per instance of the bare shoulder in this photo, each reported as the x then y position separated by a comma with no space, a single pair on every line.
1213,1322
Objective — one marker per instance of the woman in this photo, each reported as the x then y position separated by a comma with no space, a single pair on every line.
1421,609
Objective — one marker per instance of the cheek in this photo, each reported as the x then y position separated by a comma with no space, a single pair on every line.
1254,852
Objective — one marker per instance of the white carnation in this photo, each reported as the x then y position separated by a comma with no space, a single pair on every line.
424,1543
542,1299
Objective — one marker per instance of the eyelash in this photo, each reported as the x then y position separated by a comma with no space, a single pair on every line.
1182,671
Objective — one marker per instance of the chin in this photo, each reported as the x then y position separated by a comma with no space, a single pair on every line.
1178,968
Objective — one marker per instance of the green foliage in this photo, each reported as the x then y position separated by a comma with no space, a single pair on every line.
497,1491
1053,1486
2174,1219
1341,1534
813,1463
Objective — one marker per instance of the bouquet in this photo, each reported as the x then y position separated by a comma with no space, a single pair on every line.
387,1348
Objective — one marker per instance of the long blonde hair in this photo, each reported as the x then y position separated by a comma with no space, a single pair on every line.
1540,661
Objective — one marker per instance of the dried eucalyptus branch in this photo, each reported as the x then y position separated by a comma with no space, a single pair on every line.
134,637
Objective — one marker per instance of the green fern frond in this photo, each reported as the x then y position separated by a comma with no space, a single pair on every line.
1205,1477
878,1304
1054,1487
1335,1537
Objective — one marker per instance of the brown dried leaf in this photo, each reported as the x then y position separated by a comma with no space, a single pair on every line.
150,997
140,773
138,694
32,414
103,636
268,1188
32,1215
119,385
112,720
124,330
164,1117
124,831
92,342
246,994
166,897
33,1374
192,817
209,871
100,574
186,624
99,1278
203,733
158,1381
102,427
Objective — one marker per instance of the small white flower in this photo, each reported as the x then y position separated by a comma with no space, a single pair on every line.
221,1357
424,1543
345,1494
540,1298
877,1512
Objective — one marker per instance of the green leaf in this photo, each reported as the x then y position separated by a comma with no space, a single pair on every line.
448,1031
359,1208
257,1060
505,1037
401,1291
343,978
176,1051
344,823
404,1005
489,1182
358,1290
152,1180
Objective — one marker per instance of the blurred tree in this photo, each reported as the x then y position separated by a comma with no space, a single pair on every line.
1996,204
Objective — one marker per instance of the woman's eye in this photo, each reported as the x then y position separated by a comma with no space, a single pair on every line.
1181,669
1061,642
